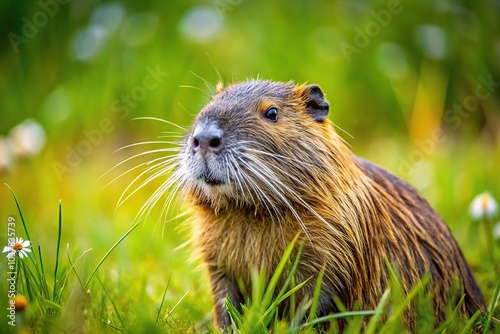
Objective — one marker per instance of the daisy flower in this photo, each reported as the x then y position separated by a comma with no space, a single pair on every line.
18,246
483,206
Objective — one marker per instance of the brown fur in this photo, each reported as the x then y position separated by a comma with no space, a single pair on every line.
299,176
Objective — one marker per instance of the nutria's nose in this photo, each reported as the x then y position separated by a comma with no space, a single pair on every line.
206,139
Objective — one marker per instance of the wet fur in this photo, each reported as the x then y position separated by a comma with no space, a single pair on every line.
297,175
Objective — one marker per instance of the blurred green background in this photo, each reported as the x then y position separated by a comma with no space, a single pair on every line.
415,84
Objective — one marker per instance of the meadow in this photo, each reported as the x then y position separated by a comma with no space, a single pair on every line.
413,86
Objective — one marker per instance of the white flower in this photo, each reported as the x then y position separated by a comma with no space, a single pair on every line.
27,138
483,206
18,246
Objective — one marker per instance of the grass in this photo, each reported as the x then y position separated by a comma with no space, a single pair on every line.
78,299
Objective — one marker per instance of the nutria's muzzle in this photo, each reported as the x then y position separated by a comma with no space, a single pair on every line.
206,139
206,146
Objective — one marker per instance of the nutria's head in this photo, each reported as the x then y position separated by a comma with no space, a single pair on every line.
259,144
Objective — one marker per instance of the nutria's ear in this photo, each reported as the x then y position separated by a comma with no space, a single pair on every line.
219,88
316,105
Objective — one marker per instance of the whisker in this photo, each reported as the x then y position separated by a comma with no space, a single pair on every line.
160,120
245,181
153,199
214,67
298,198
171,134
277,156
167,205
161,172
278,193
164,149
138,166
136,156
205,81
341,129
156,196
180,215
193,87
263,198
149,142
171,195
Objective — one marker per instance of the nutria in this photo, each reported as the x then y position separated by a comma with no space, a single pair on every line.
262,163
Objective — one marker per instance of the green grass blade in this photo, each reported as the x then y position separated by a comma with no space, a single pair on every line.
28,278
335,316
277,274
317,291
291,274
258,286
52,305
109,252
400,300
283,294
20,212
176,305
236,317
41,275
59,230
339,304
25,227
73,267
116,328
375,319
468,327
118,314
399,309
268,314
293,300
158,315
290,292
493,305
451,318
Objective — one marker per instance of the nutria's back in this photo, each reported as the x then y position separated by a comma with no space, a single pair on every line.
262,163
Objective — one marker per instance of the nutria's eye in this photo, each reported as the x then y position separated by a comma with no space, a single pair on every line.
271,114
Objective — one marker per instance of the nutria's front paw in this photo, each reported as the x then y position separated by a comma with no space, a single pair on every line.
224,288
222,318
